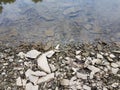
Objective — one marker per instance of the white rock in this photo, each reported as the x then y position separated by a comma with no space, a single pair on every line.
115,65
112,56
96,61
86,87
30,86
33,79
46,78
104,88
93,70
57,47
99,56
19,81
115,84
109,59
78,52
28,73
39,73
78,57
32,54
81,75
43,63
53,68
21,54
65,82
49,54
114,70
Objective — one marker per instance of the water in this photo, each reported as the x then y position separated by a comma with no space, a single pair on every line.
59,21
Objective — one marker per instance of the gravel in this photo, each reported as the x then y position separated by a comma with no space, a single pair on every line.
93,66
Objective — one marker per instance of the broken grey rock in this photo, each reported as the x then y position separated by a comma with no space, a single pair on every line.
43,63
86,87
115,65
65,82
81,75
112,56
21,54
99,56
49,54
46,78
32,54
30,86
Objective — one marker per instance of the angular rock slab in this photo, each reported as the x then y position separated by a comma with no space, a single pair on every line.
32,54
43,63
46,78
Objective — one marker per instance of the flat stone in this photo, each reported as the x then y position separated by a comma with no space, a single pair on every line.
115,65
81,75
32,54
112,56
99,56
43,63
46,78
65,82
114,70
86,87
21,54
30,86
50,53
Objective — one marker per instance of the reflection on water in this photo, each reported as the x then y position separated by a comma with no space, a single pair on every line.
59,20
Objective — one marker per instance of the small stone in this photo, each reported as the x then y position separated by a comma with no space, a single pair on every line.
11,60
112,56
78,57
81,75
43,63
78,52
65,82
46,78
114,65
115,85
19,81
21,54
96,61
86,87
104,88
99,47
114,70
99,56
30,86
48,46
109,59
53,68
117,52
32,54
33,79
49,54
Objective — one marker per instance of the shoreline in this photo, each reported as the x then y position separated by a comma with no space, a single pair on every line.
90,66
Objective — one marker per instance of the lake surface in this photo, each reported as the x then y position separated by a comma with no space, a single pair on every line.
60,21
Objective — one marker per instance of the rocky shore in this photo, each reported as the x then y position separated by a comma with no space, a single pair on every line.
88,66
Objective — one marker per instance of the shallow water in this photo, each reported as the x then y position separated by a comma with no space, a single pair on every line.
60,21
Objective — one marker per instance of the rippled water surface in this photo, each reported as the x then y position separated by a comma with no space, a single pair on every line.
59,20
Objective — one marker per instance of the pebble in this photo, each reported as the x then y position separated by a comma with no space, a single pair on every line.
19,81
114,70
46,78
32,54
21,54
65,82
43,63
114,65
99,56
86,87
81,75
78,52
96,61
115,85
30,86
112,56
49,54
